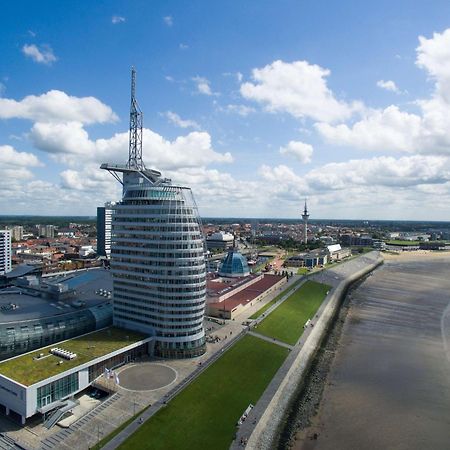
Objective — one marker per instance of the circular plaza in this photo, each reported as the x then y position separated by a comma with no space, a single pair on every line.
147,377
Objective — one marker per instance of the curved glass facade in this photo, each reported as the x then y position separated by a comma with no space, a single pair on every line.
158,265
27,335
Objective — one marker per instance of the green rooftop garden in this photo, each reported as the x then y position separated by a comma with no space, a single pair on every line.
28,369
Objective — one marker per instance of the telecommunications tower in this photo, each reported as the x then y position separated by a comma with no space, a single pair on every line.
305,217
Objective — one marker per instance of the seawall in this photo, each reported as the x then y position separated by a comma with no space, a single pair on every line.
296,366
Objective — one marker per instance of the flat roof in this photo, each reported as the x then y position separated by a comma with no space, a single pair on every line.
28,370
248,294
86,283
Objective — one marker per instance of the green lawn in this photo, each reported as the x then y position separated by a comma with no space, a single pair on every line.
27,370
273,301
286,322
403,243
204,415
302,271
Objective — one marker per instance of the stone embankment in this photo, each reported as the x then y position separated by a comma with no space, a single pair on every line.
276,401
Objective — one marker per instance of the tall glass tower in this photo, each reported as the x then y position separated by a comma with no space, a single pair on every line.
157,255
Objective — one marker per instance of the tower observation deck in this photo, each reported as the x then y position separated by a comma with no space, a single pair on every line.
157,254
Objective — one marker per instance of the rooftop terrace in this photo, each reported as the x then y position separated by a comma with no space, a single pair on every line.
28,369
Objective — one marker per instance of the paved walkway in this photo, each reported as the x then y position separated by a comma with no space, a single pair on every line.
247,428
271,340
130,429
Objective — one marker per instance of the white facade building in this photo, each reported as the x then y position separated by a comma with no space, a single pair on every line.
24,395
158,264
104,226
5,251
157,254
220,241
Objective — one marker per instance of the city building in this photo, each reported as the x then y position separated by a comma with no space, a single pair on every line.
45,382
157,254
5,251
379,244
35,312
220,241
309,260
337,253
47,231
356,240
17,233
104,223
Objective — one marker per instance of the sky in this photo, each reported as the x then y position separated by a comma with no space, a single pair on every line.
256,105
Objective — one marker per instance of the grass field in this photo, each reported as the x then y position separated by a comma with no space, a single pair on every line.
302,271
272,302
204,414
286,322
403,243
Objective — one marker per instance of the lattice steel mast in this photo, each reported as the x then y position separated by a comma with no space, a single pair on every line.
135,138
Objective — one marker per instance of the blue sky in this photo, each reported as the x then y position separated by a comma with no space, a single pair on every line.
254,104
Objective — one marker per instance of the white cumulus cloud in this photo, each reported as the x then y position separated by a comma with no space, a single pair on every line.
299,150
203,86
182,123
168,20
388,85
70,144
57,106
242,110
298,88
427,131
42,55
117,19
9,156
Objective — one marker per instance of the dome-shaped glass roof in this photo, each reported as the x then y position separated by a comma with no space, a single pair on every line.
234,265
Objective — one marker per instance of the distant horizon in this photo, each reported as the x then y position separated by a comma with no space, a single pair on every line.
237,218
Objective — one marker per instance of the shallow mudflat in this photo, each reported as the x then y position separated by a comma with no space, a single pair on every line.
389,384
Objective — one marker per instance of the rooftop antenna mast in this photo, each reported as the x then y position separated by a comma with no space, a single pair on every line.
136,119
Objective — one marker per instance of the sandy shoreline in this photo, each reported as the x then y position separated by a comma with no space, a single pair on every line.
416,255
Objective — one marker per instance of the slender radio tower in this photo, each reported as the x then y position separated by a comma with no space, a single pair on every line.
135,143
305,217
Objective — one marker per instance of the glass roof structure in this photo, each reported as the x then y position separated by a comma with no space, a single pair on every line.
234,265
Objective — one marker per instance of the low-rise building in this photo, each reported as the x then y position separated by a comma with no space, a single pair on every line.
336,252
228,298
309,260
47,380
220,241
